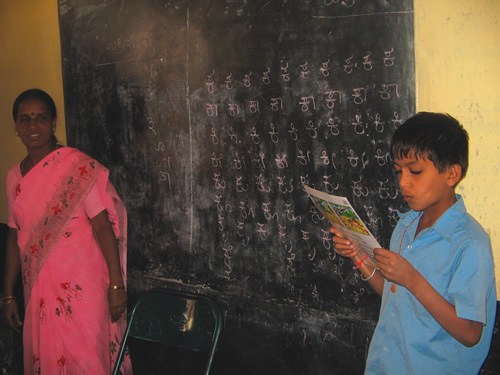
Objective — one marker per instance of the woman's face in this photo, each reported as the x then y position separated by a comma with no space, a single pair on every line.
35,125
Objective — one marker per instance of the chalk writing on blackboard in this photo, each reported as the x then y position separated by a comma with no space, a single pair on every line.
210,135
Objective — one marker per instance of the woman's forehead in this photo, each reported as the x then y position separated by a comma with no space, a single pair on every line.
32,107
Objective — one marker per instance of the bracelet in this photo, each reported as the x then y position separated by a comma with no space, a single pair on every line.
116,287
360,261
369,277
8,299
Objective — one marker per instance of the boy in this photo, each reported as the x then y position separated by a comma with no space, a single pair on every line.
437,280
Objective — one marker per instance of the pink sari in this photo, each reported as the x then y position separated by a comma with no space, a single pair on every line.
67,325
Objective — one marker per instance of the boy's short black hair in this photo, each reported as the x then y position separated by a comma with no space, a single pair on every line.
437,137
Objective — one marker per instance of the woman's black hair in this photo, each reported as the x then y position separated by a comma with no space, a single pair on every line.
34,94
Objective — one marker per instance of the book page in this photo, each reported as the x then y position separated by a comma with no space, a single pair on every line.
339,211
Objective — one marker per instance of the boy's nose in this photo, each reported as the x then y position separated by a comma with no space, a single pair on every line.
403,180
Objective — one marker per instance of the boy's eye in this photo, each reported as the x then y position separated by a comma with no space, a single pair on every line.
415,172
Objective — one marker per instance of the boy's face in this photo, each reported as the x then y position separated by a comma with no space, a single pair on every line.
423,187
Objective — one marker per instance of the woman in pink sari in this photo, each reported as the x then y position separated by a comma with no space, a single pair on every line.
67,236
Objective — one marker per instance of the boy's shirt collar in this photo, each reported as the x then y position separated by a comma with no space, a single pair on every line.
446,223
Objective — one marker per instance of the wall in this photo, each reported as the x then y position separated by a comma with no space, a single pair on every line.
457,59
31,57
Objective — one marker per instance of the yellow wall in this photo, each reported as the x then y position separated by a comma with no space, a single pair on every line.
30,56
457,60
457,67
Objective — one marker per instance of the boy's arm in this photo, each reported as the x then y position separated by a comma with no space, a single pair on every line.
370,274
467,332
396,269
360,260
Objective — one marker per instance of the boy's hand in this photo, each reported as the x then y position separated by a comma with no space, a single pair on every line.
393,267
342,245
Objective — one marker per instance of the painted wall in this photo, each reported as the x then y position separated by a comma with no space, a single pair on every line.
457,60
30,57
457,63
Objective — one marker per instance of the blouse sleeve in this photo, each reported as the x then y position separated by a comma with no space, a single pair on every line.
103,196
96,200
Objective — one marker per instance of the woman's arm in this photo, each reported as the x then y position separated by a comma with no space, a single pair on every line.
117,295
12,268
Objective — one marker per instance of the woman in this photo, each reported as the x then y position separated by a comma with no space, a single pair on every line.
67,234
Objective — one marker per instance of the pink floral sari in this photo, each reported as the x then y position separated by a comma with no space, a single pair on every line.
67,325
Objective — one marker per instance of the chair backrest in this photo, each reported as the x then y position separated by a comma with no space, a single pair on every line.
175,318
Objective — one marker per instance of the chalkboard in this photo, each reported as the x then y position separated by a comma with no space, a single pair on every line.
211,115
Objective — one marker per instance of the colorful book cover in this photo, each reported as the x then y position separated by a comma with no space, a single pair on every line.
339,211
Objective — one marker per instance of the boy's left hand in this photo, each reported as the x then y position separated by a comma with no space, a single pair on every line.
393,267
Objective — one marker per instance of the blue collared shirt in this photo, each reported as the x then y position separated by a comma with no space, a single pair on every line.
454,255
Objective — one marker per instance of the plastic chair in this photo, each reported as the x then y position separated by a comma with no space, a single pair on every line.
175,319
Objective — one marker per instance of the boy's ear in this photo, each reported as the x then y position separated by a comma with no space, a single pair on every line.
454,174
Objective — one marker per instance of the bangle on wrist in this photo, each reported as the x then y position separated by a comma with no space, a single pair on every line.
116,287
8,299
360,261
369,277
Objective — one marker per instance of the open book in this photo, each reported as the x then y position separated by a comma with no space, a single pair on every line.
342,215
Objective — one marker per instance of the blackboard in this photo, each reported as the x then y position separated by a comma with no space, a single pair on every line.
211,115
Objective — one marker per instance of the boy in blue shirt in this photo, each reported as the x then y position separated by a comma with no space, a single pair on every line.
437,280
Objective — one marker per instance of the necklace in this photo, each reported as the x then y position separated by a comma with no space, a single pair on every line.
393,286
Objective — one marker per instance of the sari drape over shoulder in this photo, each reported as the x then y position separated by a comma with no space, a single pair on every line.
67,325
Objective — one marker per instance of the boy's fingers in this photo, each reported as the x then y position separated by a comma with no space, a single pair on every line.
335,232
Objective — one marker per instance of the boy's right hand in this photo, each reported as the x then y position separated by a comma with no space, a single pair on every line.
344,246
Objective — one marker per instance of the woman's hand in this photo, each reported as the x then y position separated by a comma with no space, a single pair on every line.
117,299
11,315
